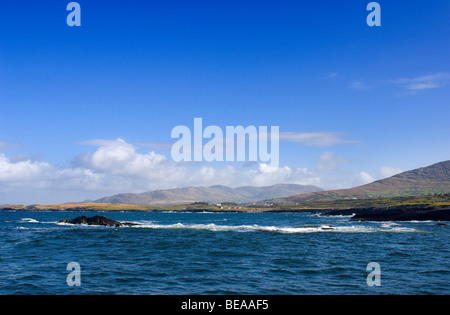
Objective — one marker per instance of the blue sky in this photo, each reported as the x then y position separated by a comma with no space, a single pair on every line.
359,103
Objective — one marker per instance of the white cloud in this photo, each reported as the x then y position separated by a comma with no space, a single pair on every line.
425,82
35,176
21,170
386,171
265,175
120,158
116,167
363,178
329,162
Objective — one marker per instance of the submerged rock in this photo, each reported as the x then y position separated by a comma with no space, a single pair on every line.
96,220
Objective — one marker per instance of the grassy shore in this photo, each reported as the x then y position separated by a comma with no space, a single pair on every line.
435,200
442,200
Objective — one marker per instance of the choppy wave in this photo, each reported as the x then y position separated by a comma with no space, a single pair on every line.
28,220
385,227
179,253
275,229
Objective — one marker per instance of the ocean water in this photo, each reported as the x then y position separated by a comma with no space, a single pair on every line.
221,253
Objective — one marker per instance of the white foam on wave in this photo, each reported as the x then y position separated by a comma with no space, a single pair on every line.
63,223
84,225
389,224
28,220
323,228
275,229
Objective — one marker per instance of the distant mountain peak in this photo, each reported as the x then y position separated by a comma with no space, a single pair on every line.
213,194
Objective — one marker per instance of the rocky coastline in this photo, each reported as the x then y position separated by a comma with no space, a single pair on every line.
396,213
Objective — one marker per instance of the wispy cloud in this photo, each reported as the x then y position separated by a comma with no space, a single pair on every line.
7,146
359,85
331,75
328,161
316,139
431,81
156,145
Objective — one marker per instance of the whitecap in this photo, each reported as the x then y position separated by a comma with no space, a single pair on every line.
263,228
29,220
389,224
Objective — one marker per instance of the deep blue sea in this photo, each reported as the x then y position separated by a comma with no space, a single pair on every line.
221,253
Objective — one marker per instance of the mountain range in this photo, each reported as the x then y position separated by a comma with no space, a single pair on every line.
434,179
213,194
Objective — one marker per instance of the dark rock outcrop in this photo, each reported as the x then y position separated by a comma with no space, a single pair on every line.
97,220
395,213
403,213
